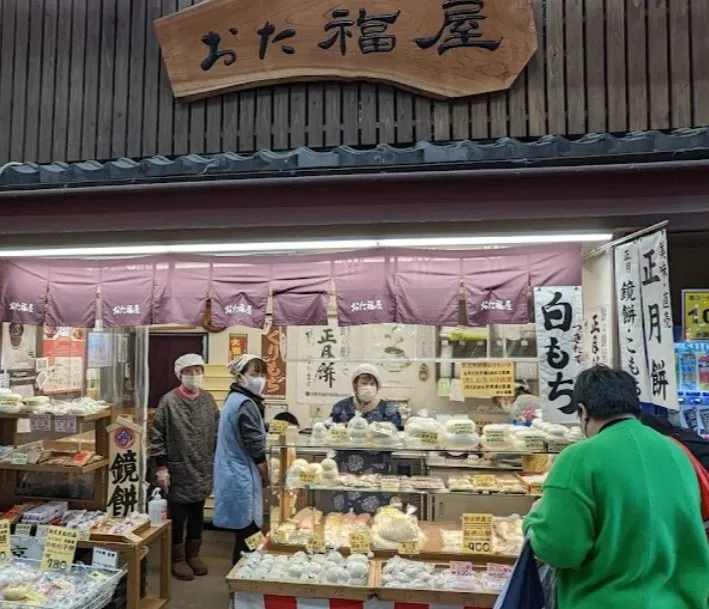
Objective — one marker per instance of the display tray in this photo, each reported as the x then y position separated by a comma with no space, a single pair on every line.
432,549
120,538
55,469
285,588
439,597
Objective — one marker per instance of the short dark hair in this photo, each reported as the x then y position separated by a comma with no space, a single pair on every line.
606,393
287,416
255,365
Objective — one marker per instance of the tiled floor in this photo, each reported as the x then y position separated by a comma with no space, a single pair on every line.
210,591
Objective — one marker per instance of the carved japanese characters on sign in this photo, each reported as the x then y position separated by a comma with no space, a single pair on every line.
444,48
124,473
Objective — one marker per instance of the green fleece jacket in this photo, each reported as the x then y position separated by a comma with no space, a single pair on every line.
620,519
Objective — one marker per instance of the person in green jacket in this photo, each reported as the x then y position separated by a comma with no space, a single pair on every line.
620,515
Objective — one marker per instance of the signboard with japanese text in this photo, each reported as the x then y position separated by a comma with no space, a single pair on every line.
558,315
488,379
695,314
238,345
657,319
123,471
272,348
64,349
631,340
595,335
321,378
59,549
444,48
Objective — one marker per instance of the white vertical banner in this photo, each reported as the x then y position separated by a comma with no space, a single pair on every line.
596,337
631,340
657,319
558,314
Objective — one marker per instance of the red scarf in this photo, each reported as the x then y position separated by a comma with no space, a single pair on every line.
188,394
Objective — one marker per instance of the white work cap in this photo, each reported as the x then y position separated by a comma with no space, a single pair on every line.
238,365
367,369
185,361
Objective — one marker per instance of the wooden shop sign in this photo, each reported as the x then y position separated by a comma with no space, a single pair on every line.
442,48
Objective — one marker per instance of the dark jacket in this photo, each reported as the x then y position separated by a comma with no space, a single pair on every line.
697,445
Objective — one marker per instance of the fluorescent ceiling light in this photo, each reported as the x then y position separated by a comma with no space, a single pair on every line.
303,246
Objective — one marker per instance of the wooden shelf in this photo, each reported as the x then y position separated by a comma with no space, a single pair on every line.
55,469
96,416
153,602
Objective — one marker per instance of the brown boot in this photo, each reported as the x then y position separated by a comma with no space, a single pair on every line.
193,559
180,569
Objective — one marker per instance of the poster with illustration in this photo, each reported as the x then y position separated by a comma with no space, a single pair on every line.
19,346
62,362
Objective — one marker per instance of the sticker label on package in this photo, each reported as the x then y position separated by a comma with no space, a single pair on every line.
5,549
104,558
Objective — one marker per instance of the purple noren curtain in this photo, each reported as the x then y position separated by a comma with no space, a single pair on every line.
127,293
561,267
300,293
23,291
363,290
239,294
180,292
496,290
71,298
427,290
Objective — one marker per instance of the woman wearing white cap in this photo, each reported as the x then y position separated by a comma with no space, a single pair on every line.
366,384
182,441
240,467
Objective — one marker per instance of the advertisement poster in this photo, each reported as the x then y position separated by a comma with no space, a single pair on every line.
695,314
272,352
238,345
19,346
61,369
558,317
657,319
324,372
488,379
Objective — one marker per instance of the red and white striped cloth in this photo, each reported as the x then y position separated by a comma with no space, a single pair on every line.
249,600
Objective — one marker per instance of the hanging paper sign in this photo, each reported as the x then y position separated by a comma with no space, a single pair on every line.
104,558
558,316
488,379
633,355
254,541
477,533
657,319
59,549
125,454
5,549
272,348
360,543
595,333
695,314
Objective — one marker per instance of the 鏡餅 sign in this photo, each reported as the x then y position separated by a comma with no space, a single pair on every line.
442,48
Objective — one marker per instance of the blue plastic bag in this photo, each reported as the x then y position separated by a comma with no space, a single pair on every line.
523,589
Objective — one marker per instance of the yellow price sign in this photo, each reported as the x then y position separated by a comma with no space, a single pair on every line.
277,427
477,533
429,438
273,438
695,308
255,541
360,543
485,481
279,536
59,549
308,477
5,548
409,548
316,543
390,484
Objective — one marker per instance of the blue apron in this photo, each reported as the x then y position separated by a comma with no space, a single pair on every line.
238,494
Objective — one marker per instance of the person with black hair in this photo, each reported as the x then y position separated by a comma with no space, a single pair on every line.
620,516
288,417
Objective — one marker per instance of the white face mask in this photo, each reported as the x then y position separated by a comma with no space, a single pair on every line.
367,393
255,385
192,382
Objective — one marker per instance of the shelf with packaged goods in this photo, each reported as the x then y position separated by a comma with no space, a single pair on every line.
55,469
94,416
409,453
405,491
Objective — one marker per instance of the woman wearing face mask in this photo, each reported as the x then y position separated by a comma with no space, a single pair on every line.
182,441
240,466
366,383
620,516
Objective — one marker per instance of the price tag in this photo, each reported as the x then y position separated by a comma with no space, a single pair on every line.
390,484
461,568
254,541
495,436
104,559
5,548
65,424
41,422
59,549
430,438
277,427
360,543
485,482
308,477
42,531
279,536
499,574
534,444
337,435
477,534
459,429
19,458
23,529
535,464
316,543
556,446
409,548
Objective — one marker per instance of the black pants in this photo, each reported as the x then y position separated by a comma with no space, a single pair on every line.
190,515
240,544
